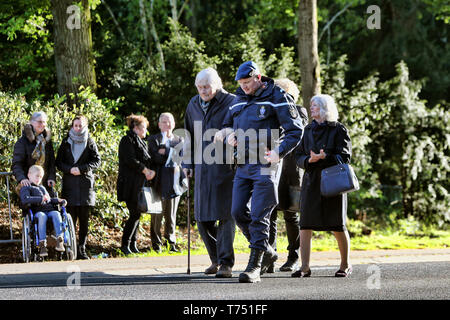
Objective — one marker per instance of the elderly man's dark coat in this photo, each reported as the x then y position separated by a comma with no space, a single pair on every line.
78,190
22,159
213,182
317,212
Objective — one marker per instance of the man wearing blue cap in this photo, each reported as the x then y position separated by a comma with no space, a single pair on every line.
255,118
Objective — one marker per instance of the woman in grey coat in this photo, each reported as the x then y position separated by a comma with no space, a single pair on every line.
213,182
323,140
77,158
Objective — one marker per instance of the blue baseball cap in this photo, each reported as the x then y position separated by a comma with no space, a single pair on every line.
245,69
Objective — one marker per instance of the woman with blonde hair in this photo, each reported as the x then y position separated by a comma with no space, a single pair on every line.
290,177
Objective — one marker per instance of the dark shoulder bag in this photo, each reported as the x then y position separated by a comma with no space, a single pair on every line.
338,179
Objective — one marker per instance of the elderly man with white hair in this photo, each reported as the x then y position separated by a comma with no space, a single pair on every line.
324,141
160,146
213,181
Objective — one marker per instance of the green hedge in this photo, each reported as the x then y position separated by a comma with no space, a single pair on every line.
16,111
400,145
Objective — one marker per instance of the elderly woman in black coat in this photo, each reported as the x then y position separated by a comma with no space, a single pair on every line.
134,170
322,141
77,158
35,147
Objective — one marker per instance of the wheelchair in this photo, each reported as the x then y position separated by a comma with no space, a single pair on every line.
30,240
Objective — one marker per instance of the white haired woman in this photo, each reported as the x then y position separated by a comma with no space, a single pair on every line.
323,140
35,147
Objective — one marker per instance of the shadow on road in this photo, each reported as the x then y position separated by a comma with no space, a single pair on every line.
63,279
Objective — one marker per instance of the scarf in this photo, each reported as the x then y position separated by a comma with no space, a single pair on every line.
38,153
142,146
78,142
204,104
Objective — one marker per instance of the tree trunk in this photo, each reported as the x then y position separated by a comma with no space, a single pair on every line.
308,51
154,33
73,47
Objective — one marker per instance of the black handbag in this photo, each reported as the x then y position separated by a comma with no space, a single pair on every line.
149,200
338,179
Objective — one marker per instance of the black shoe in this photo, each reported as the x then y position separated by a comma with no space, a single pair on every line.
173,248
126,249
81,254
290,265
252,273
157,249
301,274
270,256
133,247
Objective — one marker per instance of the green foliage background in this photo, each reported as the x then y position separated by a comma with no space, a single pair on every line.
391,85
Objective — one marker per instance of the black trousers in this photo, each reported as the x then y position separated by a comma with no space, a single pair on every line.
292,220
130,231
80,213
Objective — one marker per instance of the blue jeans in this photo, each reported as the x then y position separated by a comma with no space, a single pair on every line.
42,223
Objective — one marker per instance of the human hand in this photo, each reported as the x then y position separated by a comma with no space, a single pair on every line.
272,156
149,174
231,140
63,202
162,151
75,171
45,198
188,172
314,157
25,183
219,136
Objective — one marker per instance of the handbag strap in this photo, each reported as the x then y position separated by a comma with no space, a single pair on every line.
338,159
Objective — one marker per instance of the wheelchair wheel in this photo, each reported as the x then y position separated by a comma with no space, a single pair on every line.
71,245
26,239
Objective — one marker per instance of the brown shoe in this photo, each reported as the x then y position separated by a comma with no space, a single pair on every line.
224,272
43,248
212,269
60,244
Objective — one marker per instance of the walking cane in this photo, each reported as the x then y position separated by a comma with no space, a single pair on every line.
189,225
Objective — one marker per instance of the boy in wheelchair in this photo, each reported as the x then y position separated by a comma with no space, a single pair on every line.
37,198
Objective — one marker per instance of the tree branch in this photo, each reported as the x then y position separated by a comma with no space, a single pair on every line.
327,26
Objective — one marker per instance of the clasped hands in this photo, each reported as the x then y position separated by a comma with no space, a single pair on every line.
46,199
314,157
149,174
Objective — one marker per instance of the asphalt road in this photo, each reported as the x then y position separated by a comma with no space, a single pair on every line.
424,280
